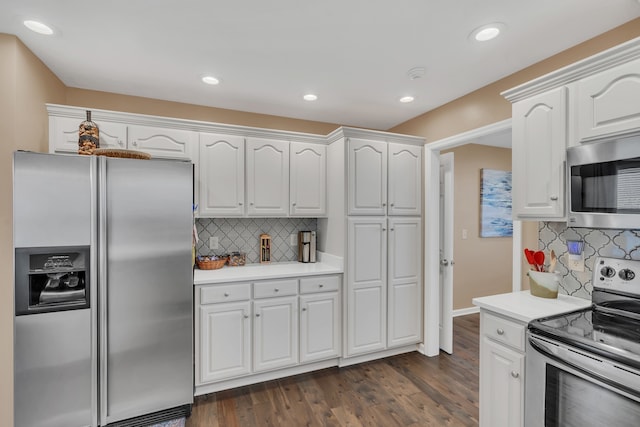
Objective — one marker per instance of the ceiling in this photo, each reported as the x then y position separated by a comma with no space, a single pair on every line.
354,55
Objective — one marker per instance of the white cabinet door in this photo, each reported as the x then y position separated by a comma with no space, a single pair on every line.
539,144
64,134
163,142
609,102
267,177
225,341
366,287
275,333
221,171
405,271
405,179
319,326
308,179
367,177
501,385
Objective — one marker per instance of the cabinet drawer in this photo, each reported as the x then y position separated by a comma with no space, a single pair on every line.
224,293
504,331
275,288
310,285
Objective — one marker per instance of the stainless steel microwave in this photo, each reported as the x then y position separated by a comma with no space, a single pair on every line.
604,184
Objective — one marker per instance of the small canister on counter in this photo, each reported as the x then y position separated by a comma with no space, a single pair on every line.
89,136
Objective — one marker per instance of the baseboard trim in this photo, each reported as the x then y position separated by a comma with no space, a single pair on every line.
465,311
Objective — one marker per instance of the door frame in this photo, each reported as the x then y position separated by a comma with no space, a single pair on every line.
432,223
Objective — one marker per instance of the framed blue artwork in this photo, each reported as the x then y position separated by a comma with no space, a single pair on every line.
495,203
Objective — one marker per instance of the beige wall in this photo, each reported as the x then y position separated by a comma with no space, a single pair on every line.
135,104
25,85
486,106
483,265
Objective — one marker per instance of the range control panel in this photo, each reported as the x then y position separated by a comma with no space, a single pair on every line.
617,275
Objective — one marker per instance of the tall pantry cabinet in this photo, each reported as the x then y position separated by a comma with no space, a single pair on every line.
381,210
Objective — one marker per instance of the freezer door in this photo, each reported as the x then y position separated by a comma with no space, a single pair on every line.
146,306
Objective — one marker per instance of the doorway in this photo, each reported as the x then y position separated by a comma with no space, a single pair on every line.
446,252
437,303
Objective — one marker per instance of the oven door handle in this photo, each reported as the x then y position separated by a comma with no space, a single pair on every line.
621,378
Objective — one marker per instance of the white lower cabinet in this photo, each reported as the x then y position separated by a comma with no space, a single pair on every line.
501,371
250,332
227,323
384,284
275,333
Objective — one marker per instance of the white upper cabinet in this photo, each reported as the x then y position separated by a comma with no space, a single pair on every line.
160,142
221,172
63,133
405,177
308,179
367,177
267,177
608,103
384,178
539,144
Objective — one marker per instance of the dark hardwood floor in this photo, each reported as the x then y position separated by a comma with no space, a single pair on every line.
405,390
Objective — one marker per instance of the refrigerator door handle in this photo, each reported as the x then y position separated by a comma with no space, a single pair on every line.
102,289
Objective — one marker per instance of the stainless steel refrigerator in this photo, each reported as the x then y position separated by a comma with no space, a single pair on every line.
103,290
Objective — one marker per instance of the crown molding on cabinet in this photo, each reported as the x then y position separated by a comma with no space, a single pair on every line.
609,58
347,132
98,115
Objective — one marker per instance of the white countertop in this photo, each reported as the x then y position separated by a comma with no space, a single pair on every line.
327,264
525,307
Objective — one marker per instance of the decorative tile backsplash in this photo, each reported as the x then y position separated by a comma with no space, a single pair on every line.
243,235
597,242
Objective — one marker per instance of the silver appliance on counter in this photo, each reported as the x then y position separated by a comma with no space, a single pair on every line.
604,183
103,291
307,246
583,368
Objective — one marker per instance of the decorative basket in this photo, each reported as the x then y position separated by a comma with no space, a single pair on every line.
206,263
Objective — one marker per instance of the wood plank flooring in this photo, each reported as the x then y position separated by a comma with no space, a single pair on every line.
405,390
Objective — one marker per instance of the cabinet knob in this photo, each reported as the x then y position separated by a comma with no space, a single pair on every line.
120,143
321,285
293,204
239,203
246,316
384,229
134,143
514,374
226,294
384,204
257,314
500,331
554,198
276,290
391,204
304,308
391,229
251,203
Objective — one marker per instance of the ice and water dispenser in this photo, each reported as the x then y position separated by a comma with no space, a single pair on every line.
51,279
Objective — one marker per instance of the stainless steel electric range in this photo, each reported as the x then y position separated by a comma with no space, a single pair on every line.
583,367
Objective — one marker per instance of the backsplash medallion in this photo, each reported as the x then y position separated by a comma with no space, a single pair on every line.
597,242
243,235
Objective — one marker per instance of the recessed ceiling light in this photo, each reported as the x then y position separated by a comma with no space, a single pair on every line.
406,99
487,32
310,97
210,80
38,27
